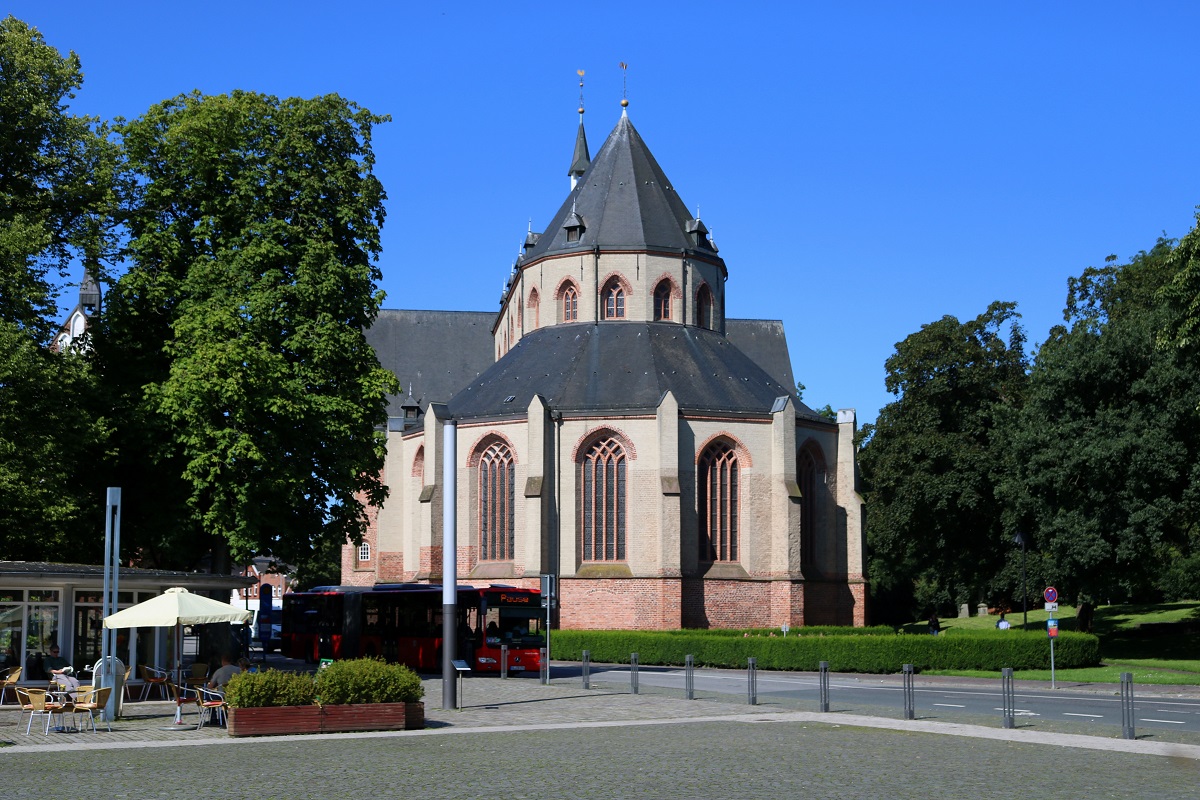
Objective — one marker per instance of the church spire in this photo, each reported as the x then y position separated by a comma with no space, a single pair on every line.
581,159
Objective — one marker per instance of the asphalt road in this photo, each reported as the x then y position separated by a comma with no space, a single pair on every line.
699,760
1069,708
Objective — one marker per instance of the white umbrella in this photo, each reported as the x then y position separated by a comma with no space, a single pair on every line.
175,608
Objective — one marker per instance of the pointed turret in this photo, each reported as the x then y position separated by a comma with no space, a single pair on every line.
623,201
581,158
89,291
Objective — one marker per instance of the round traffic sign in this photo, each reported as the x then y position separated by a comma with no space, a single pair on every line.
1051,594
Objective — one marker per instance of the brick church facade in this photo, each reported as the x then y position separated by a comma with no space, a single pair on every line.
617,431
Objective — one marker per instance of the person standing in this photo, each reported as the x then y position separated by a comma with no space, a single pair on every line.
935,624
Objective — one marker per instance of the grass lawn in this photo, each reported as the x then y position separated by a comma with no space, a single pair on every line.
1157,643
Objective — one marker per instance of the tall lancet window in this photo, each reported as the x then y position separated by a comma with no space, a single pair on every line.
811,475
602,501
704,307
718,503
570,304
497,490
613,300
662,300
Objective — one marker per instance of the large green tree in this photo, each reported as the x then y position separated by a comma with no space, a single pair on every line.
1182,292
1104,473
235,341
931,461
55,203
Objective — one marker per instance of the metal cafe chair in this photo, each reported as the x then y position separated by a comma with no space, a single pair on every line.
152,677
92,703
10,683
211,702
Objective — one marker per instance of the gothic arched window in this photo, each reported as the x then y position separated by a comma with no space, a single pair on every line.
662,300
810,475
497,489
570,304
704,307
535,308
718,503
602,501
364,552
613,300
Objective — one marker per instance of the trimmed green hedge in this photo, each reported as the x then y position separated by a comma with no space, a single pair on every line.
368,680
359,680
809,630
270,689
877,653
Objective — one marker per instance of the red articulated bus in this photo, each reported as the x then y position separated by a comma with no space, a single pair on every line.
402,622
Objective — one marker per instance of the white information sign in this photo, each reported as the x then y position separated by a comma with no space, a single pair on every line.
1051,607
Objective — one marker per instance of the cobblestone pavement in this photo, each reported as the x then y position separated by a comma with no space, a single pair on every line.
520,738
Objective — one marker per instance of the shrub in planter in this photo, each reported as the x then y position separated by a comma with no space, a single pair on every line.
270,689
367,680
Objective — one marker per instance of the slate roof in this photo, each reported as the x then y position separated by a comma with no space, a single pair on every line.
621,367
441,352
764,341
626,202
436,352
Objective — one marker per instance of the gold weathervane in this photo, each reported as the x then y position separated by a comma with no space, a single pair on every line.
579,72
624,85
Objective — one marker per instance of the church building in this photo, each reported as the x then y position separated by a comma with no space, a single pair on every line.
617,431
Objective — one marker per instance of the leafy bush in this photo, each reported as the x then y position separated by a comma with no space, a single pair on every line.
368,680
872,653
269,689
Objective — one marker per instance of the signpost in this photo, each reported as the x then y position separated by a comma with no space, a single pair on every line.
549,589
1051,597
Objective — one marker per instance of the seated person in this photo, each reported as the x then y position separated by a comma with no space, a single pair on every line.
221,676
54,664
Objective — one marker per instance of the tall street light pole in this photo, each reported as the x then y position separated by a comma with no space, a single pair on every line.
1022,540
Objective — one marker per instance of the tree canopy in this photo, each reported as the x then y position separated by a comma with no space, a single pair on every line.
55,203
931,460
1104,470
235,342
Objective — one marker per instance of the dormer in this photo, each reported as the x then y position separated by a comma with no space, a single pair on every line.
574,227
698,234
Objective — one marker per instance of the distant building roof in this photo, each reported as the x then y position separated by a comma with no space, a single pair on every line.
24,571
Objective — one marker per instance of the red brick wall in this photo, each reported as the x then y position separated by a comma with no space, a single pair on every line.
620,603
835,603
742,604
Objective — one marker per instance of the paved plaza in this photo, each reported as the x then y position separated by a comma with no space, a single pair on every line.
520,738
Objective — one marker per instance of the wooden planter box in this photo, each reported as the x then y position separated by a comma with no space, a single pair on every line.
326,719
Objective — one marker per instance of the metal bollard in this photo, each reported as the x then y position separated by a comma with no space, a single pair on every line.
823,682
910,711
752,681
544,672
503,661
633,678
587,669
1127,705
689,678
1008,698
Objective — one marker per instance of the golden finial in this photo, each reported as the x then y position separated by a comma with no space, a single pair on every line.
624,85
579,72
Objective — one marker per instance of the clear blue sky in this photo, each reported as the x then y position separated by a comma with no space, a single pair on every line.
865,167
